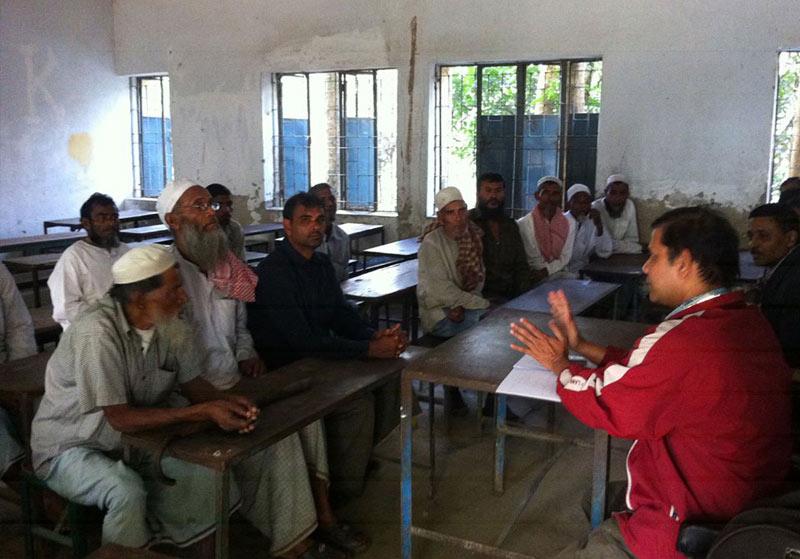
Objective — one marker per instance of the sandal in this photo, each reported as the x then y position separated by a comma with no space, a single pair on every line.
344,537
322,551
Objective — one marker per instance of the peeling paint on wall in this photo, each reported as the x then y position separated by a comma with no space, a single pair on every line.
79,147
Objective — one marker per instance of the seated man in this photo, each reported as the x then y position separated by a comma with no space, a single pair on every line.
83,273
224,212
792,183
791,199
216,309
336,243
773,231
300,311
547,235
619,216
112,373
451,272
705,393
504,260
591,238
16,341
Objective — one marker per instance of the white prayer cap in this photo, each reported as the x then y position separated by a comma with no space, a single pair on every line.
549,178
447,195
172,192
141,263
575,188
616,178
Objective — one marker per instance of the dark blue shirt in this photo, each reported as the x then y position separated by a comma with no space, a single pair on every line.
300,311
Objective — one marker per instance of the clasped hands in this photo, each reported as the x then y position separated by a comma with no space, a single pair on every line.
550,351
388,343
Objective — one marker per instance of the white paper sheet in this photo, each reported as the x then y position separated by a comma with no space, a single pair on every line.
529,379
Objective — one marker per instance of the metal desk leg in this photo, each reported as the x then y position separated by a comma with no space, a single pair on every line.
431,440
223,514
37,296
599,476
406,392
499,443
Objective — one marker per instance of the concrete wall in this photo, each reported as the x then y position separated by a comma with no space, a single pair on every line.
64,112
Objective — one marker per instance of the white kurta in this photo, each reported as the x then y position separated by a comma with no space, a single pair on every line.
337,247
587,243
81,277
527,231
624,230
220,324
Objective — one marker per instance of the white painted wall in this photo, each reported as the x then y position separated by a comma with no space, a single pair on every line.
64,112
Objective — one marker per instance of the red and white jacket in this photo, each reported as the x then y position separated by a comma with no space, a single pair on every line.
706,396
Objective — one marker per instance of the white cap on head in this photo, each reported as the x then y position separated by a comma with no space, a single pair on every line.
172,192
575,188
141,263
447,195
549,178
616,178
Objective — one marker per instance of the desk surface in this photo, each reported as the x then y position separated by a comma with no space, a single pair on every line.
24,375
40,241
480,358
624,265
404,248
333,382
382,283
260,228
581,295
124,217
144,232
357,230
32,262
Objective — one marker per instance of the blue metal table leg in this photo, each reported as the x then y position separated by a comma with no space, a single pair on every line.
599,476
223,514
499,443
405,467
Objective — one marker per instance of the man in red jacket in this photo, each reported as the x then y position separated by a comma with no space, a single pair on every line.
705,393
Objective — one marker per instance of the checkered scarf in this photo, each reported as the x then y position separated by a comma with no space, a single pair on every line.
469,261
234,279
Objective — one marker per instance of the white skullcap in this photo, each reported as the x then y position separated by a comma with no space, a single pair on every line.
141,263
575,188
172,192
549,178
616,178
447,195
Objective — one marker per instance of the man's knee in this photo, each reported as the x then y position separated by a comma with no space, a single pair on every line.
125,489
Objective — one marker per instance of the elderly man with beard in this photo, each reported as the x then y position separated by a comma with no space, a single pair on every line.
83,273
336,243
112,373
619,215
277,483
507,272
591,238
547,235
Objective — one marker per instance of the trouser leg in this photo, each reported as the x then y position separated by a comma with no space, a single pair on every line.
349,434
91,478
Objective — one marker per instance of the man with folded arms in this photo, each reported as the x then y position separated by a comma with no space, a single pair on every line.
705,393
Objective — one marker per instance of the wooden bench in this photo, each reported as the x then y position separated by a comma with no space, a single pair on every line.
45,329
37,243
33,264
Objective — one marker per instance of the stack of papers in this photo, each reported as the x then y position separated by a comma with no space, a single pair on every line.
530,379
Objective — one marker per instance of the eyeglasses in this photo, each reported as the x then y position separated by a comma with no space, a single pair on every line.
203,206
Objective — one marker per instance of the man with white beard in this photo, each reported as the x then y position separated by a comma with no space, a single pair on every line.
218,284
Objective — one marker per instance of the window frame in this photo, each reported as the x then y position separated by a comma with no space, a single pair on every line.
137,150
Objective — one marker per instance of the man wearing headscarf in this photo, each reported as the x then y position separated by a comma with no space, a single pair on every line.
280,478
619,215
547,235
591,238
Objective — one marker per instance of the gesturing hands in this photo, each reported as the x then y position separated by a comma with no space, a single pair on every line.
233,413
562,315
550,351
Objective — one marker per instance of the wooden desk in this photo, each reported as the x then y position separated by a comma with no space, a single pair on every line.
21,382
125,216
144,233
404,249
333,382
45,329
581,295
379,286
253,258
479,359
261,228
358,231
34,264
37,243
617,266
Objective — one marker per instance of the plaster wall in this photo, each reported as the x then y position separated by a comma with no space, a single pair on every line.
688,87
64,112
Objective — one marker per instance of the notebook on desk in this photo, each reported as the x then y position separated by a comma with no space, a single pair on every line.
530,379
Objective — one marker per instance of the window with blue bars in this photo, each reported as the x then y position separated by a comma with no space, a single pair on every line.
338,128
152,127
523,120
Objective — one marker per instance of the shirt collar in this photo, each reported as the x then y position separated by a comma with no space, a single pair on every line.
771,270
702,298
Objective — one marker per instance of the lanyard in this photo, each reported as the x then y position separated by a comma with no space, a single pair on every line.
702,298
